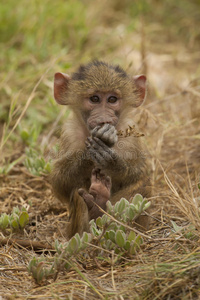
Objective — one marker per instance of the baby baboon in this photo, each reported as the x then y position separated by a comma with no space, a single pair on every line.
94,163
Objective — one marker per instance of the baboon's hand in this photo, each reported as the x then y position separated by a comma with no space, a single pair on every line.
106,133
103,156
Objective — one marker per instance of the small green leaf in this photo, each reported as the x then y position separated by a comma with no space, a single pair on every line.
111,235
16,210
176,227
90,237
31,264
34,272
106,235
133,207
14,223
127,245
24,135
120,238
131,236
121,206
189,235
135,244
85,237
121,227
131,213
138,240
116,207
118,251
147,204
11,165
126,202
137,199
142,206
4,221
57,246
109,245
124,218
104,219
132,248
109,207
99,222
92,223
94,231
47,168
78,239
38,163
73,245
23,219
40,272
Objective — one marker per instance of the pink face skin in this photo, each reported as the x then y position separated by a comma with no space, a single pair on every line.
101,108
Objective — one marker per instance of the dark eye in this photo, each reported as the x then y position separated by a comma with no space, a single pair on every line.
94,99
112,99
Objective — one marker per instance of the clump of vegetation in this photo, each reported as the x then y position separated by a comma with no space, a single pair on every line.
7,167
30,137
15,221
113,230
35,163
108,233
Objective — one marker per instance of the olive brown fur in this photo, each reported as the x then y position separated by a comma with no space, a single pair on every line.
93,164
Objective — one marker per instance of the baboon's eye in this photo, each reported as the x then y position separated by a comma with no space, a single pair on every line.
112,99
94,99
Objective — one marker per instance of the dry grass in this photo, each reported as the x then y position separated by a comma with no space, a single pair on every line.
167,265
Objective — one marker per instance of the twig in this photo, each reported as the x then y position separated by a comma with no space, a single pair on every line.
13,269
35,245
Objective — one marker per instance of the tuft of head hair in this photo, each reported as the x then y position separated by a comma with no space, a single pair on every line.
101,76
97,65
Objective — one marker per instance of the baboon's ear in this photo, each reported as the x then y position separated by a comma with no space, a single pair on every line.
61,86
141,85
